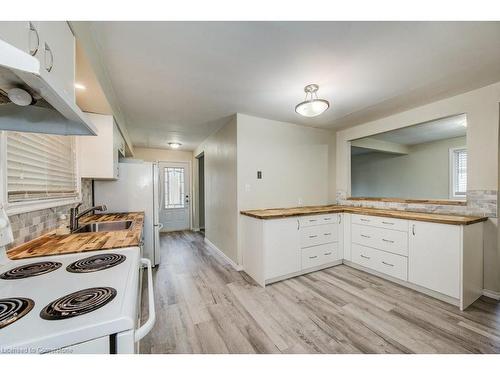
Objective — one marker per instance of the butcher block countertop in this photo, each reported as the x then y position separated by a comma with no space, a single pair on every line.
275,213
54,244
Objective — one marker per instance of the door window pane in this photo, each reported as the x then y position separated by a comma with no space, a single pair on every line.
174,187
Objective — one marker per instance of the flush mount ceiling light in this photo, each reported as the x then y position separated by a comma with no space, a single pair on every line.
312,106
174,144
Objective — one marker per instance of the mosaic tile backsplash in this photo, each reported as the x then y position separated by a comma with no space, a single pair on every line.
479,203
29,225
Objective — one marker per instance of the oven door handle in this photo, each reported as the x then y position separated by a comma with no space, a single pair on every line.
148,325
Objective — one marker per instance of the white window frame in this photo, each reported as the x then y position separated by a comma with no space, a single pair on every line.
451,168
13,208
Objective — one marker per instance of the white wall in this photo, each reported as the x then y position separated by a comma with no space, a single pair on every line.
482,109
423,173
157,154
293,160
221,206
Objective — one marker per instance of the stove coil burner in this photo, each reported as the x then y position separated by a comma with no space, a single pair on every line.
12,309
78,303
29,270
95,263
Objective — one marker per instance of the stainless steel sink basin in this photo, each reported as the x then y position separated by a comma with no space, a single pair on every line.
109,226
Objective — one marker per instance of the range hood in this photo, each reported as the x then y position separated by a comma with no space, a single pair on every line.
51,111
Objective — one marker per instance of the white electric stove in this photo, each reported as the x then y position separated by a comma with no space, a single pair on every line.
76,303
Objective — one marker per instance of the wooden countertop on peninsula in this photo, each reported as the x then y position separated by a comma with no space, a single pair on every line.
54,244
276,213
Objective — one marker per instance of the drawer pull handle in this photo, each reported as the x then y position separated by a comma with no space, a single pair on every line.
383,239
330,253
327,234
365,220
387,222
364,256
313,257
365,236
313,236
388,264
327,218
312,220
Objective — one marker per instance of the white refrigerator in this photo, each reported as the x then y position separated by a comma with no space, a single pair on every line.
136,189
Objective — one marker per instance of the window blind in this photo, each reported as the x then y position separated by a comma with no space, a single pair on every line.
460,172
40,166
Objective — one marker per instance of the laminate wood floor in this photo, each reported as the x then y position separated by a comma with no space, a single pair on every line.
204,306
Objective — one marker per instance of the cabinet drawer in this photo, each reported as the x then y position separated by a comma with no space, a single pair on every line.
392,241
381,222
381,261
319,255
307,221
317,235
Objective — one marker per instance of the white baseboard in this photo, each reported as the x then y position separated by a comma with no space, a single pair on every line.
491,294
219,252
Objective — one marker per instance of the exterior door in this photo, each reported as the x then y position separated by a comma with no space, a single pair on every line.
175,189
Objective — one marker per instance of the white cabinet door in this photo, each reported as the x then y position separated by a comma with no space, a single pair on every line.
282,249
434,257
97,154
57,55
18,34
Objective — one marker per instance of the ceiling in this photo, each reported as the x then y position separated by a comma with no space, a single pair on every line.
179,81
449,127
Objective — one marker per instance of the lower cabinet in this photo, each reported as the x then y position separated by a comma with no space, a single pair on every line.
277,249
444,261
434,252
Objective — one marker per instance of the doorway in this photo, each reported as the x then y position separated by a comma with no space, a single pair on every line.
201,192
175,188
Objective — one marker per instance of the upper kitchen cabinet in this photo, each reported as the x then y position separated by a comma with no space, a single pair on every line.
51,42
99,156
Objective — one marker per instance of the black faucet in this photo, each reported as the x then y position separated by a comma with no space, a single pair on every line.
74,215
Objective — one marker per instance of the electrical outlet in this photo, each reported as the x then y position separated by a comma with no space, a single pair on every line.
259,175
300,201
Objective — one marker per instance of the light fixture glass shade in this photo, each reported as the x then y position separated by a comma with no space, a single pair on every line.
174,144
312,106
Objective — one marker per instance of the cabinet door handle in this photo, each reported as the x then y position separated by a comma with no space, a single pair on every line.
48,67
313,257
413,229
364,256
327,218
366,220
387,222
298,224
313,236
365,236
328,253
340,219
34,31
327,234
312,220
388,264
383,239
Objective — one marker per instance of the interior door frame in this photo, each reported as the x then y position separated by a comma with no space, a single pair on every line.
190,188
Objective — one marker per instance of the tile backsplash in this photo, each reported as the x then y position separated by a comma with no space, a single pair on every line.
479,203
29,225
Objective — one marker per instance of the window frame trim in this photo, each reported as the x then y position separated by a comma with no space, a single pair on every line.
451,168
38,204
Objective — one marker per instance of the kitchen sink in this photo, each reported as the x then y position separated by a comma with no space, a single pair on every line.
109,226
